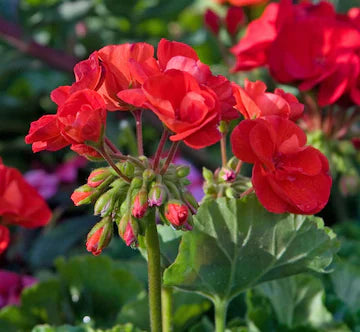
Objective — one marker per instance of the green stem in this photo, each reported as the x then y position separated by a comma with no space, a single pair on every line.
220,315
167,308
154,273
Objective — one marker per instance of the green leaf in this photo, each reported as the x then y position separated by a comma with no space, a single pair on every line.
58,240
237,244
97,287
187,308
346,283
297,300
69,328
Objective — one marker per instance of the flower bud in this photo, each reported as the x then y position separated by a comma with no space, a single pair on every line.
232,163
127,168
129,236
227,174
136,183
176,213
128,230
157,195
105,203
235,18
182,171
99,237
230,192
207,174
140,204
190,199
212,21
148,175
97,176
82,195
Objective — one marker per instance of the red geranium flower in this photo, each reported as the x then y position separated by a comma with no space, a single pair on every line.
288,176
191,111
253,102
175,55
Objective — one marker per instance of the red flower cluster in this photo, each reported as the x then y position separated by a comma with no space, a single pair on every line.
20,204
308,44
127,76
288,176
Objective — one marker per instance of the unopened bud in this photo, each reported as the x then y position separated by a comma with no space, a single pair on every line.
99,237
82,195
157,195
227,174
104,203
136,183
212,21
182,171
232,163
230,192
98,176
190,199
129,236
235,18
128,230
140,204
176,212
148,175
127,168
207,174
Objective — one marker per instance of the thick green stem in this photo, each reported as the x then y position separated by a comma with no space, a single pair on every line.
220,315
154,273
167,308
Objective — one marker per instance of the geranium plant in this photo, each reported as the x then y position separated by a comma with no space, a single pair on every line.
246,230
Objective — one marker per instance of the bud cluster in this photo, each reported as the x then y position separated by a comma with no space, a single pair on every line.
128,203
225,182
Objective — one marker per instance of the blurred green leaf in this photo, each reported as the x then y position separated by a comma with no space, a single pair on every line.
58,240
297,300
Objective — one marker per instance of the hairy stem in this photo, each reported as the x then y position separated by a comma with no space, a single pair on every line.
167,308
154,273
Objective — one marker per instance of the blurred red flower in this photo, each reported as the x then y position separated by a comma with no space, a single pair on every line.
308,44
20,203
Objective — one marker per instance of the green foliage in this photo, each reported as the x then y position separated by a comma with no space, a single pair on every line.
237,244
85,286
68,328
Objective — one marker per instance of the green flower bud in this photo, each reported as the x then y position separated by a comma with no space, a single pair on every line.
182,171
127,168
148,175
105,203
157,195
208,175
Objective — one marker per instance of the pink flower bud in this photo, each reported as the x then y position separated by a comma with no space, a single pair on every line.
212,21
92,243
99,237
140,204
157,195
227,175
235,18
176,213
129,236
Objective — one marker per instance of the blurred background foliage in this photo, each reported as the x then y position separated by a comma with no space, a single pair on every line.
40,42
